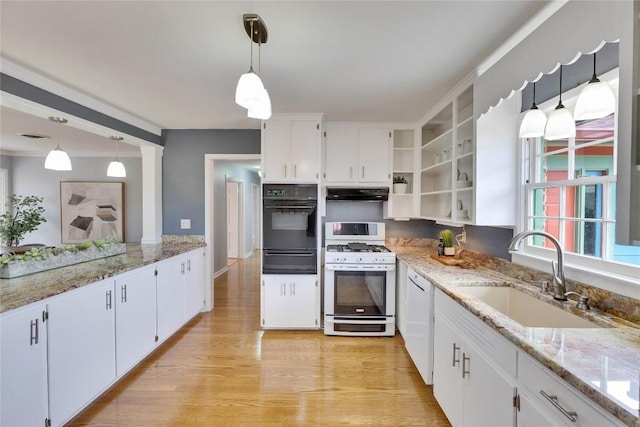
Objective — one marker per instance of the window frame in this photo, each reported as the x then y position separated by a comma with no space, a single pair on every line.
606,274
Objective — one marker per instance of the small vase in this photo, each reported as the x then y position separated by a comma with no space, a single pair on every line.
449,250
399,188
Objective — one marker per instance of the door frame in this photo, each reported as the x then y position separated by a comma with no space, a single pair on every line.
240,210
256,199
209,160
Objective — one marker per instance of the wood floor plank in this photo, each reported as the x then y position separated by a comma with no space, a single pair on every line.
222,370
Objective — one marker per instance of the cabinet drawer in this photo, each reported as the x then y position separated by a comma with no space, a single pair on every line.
479,335
539,379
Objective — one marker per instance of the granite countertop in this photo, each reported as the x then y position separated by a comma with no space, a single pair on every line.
602,363
20,291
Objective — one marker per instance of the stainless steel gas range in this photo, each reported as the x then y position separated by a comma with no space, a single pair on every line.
359,280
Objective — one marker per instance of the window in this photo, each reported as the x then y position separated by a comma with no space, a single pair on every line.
569,191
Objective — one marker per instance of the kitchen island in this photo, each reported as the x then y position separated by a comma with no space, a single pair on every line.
601,363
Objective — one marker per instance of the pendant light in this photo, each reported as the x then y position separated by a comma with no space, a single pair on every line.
116,168
560,124
534,120
596,99
250,87
57,159
261,108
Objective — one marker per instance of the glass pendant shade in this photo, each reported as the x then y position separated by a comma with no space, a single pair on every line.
57,160
596,100
533,123
261,109
249,89
116,169
560,124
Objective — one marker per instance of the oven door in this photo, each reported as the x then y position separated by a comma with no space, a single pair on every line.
289,261
357,293
289,224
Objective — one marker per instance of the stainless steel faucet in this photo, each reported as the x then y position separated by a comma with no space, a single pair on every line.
557,268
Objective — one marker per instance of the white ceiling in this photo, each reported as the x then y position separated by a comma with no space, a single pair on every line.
175,64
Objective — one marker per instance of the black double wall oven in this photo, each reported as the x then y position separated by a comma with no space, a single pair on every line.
290,240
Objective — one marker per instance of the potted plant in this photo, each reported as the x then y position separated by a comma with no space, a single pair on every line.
446,236
23,215
399,184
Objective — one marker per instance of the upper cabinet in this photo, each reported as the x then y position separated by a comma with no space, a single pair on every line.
291,145
467,169
357,154
401,200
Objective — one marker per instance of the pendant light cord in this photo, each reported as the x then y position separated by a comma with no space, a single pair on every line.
251,45
560,100
533,105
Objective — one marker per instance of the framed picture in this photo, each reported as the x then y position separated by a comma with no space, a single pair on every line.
91,210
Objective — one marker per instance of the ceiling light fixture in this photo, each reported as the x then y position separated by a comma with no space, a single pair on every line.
596,99
57,159
116,168
560,124
534,120
261,108
250,92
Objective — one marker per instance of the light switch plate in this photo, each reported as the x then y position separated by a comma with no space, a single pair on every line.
185,224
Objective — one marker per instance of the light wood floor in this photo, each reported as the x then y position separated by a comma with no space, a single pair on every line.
221,369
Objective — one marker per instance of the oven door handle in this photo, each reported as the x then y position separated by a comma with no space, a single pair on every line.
288,207
295,254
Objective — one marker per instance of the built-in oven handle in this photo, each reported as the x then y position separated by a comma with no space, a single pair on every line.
296,254
288,207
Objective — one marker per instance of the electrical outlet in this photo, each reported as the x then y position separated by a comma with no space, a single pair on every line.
463,237
185,224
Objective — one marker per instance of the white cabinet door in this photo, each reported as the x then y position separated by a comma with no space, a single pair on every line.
340,154
170,294
276,151
194,284
488,396
447,370
374,156
419,323
401,297
135,317
305,150
82,359
23,367
530,415
290,301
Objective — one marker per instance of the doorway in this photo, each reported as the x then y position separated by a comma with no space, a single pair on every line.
256,200
234,219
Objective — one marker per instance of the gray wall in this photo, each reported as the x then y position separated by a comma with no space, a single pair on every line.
222,170
27,176
489,240
183,171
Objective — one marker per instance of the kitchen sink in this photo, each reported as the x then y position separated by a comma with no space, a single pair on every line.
526,309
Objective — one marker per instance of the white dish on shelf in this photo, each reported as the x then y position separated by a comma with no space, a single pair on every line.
463,183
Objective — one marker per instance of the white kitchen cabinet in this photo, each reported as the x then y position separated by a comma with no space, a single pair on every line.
170,296
193,283
23,367
401,204
401,297
290,301
357,154
469,360
82,355
135,317
419,337
291,146
562,405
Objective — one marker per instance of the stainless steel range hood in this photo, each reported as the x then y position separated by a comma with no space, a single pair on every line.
378,194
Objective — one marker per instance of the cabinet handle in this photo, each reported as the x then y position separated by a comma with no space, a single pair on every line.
182,268
453,355
363,171
283,289
285,170
108,300
189,265
350,172
295,171
465,359
553,399
293,289
33,332
123,292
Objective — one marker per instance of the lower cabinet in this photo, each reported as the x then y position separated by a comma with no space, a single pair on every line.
170,296
290,301
474,368
81,350
401,297
194,283
23,367
419,324
135,317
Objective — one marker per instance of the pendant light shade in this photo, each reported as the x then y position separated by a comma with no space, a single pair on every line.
596,99
560,124
534,120
57,159
116,168
249,89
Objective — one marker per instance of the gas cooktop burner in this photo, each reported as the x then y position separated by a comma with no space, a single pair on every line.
357,247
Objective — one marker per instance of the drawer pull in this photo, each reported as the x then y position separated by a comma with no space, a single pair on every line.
455,360
572,415
465,365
